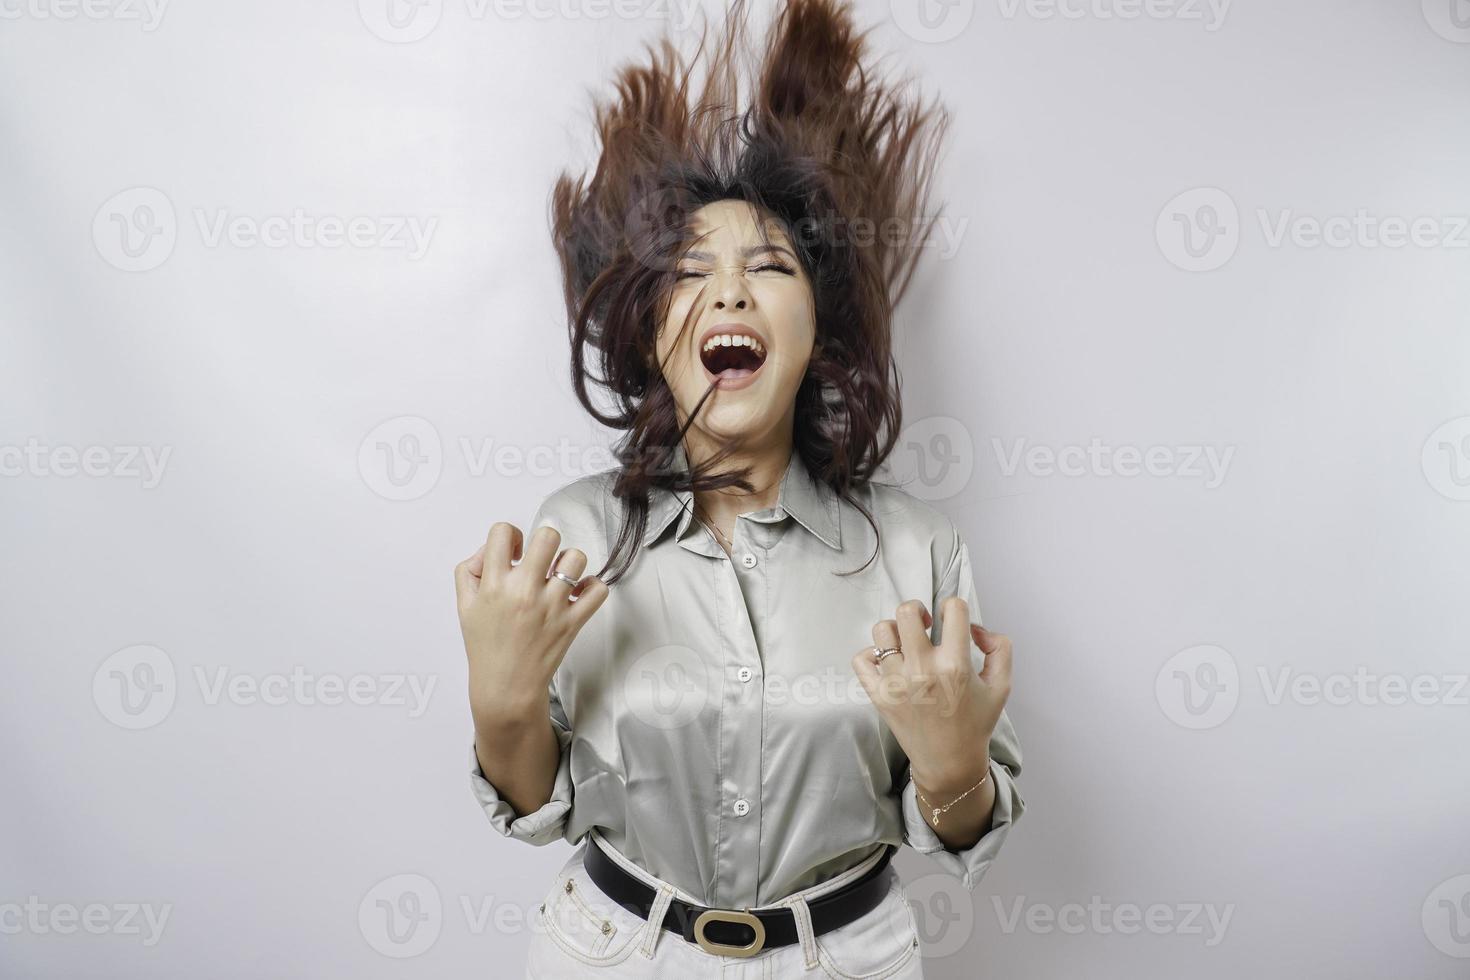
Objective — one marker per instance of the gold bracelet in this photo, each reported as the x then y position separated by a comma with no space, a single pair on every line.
937,810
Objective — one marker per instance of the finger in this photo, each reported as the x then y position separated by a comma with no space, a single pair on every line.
997,648
503,542
868,673
915,636
476,563
466,579
571,562
885,634
590,594
540,549
954,632
986,640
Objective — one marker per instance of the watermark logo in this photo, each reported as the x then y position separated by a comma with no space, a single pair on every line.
405,914
1446,917
400,21
667,687
135,687
932,21
1450,19
652,222
944,914
402,458
401,916
933,458
1198,230
1198,687
135,230
1446,459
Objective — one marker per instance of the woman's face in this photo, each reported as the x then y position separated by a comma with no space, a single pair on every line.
752,326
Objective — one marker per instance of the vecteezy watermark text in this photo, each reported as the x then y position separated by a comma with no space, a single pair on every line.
149,13
35,459
1200,687
137,687
1205,463
39,918
1102,918
137,229
1201,229
1210,13
407,21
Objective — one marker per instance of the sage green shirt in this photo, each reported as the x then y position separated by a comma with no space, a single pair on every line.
709,718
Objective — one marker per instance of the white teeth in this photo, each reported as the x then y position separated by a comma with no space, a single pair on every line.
736,340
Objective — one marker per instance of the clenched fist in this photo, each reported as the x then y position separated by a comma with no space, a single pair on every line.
518,620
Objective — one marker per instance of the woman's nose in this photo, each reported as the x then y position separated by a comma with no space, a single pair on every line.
730,291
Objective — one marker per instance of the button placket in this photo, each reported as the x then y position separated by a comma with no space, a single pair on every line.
741,729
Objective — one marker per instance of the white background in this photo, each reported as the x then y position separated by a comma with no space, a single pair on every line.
1168,775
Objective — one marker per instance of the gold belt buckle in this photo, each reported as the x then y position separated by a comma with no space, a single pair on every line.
724,949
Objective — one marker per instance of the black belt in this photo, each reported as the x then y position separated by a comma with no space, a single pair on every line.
732,932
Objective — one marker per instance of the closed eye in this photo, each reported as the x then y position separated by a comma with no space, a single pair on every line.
768,267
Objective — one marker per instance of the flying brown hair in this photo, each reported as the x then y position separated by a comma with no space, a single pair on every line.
834,155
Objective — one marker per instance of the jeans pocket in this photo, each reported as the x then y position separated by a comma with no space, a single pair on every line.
584,923
878,944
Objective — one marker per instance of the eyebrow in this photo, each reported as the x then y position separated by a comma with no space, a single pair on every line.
698,256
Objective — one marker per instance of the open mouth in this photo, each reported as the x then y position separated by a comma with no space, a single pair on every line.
732,357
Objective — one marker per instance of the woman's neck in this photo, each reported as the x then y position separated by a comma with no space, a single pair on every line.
767,465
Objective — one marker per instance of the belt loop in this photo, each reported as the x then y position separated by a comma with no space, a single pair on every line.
653,928
803,916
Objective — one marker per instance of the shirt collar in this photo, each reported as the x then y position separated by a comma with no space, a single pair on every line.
814,504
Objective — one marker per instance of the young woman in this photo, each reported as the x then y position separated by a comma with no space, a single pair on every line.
777,676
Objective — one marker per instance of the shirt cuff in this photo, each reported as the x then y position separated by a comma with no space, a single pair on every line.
970,864
540,826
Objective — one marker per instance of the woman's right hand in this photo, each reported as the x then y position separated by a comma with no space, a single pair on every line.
517,621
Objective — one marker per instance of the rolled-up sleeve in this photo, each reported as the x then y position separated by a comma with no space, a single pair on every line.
549,822
969,865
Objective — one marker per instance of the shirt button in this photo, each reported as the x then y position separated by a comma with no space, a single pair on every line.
745,673
748,560
742,807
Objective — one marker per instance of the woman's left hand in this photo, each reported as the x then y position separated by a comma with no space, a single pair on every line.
941,711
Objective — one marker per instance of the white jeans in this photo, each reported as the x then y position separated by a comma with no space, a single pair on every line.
584,934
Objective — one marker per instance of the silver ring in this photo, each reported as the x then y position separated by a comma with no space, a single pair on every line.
878,655
565,578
